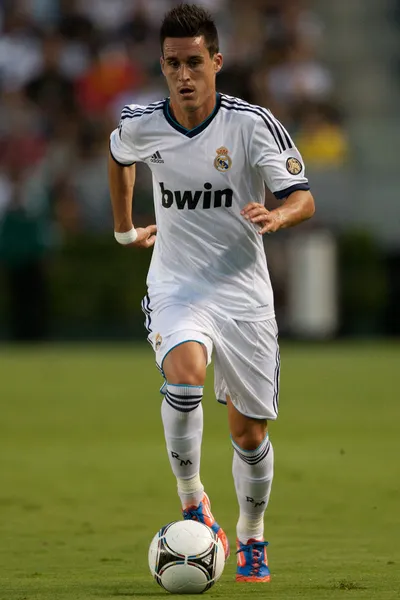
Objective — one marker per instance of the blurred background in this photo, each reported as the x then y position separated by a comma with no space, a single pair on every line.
329,70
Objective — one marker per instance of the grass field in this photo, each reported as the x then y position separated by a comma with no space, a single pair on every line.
85,481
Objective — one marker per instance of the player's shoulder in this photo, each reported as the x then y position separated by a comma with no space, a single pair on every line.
245,111
138,113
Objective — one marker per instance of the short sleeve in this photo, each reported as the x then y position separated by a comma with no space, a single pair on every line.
122,139
274,154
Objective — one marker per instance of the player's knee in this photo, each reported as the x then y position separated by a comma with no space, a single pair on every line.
248,442
250,438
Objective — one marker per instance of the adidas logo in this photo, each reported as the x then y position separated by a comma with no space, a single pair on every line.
156,158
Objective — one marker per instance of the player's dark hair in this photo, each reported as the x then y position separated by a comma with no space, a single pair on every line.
189,20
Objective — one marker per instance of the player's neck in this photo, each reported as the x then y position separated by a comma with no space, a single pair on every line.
193,119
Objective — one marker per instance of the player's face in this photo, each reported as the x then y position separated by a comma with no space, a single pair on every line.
190,71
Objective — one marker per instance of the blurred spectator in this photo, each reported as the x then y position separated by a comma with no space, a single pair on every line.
51,90
288,20
137,27
247,36
87,184
105,15
44,12
20,49
5,194
23,142
298,76
320,137
111,73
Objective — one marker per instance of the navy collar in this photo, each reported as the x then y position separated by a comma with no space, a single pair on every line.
190,133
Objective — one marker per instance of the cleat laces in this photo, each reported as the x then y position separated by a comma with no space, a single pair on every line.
194,513
257,551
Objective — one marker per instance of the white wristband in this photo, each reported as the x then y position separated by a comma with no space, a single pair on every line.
128,237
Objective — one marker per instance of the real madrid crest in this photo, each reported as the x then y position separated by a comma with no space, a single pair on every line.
158,341
294,166
223,161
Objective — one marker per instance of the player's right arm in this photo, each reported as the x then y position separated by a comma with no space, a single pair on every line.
121,176
121,183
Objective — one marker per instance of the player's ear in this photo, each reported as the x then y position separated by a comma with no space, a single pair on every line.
162,63
218,62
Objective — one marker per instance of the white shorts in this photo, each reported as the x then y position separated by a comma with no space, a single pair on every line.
246,354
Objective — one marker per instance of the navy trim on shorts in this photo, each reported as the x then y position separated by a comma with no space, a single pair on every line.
258,418
147,311
275,398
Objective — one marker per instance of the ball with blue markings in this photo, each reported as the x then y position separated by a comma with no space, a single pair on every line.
186,557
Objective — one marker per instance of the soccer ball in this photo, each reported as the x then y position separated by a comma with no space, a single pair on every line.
186,557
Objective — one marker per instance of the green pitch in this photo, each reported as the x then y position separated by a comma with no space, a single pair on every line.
85,480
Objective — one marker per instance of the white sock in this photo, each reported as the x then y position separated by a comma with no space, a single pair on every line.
182,416
190,491
253,472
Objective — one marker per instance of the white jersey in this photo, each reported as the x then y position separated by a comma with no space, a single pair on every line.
206,253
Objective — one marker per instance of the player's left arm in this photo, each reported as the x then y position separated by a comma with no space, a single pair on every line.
297,207
273,153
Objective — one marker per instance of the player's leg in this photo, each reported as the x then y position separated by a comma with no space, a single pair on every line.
253,467
247,378
252,471
183,350
182,414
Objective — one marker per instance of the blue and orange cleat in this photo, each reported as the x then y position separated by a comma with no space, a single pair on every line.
252,563
202,513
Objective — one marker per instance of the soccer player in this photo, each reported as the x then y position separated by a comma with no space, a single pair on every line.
209,289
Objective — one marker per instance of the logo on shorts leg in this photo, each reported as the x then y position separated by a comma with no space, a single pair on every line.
158,342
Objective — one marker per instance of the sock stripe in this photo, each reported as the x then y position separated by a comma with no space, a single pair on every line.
182,402
255,461
189,396
183,398
180,408
253,458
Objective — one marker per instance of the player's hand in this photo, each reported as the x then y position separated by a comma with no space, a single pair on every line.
269,221
146,236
